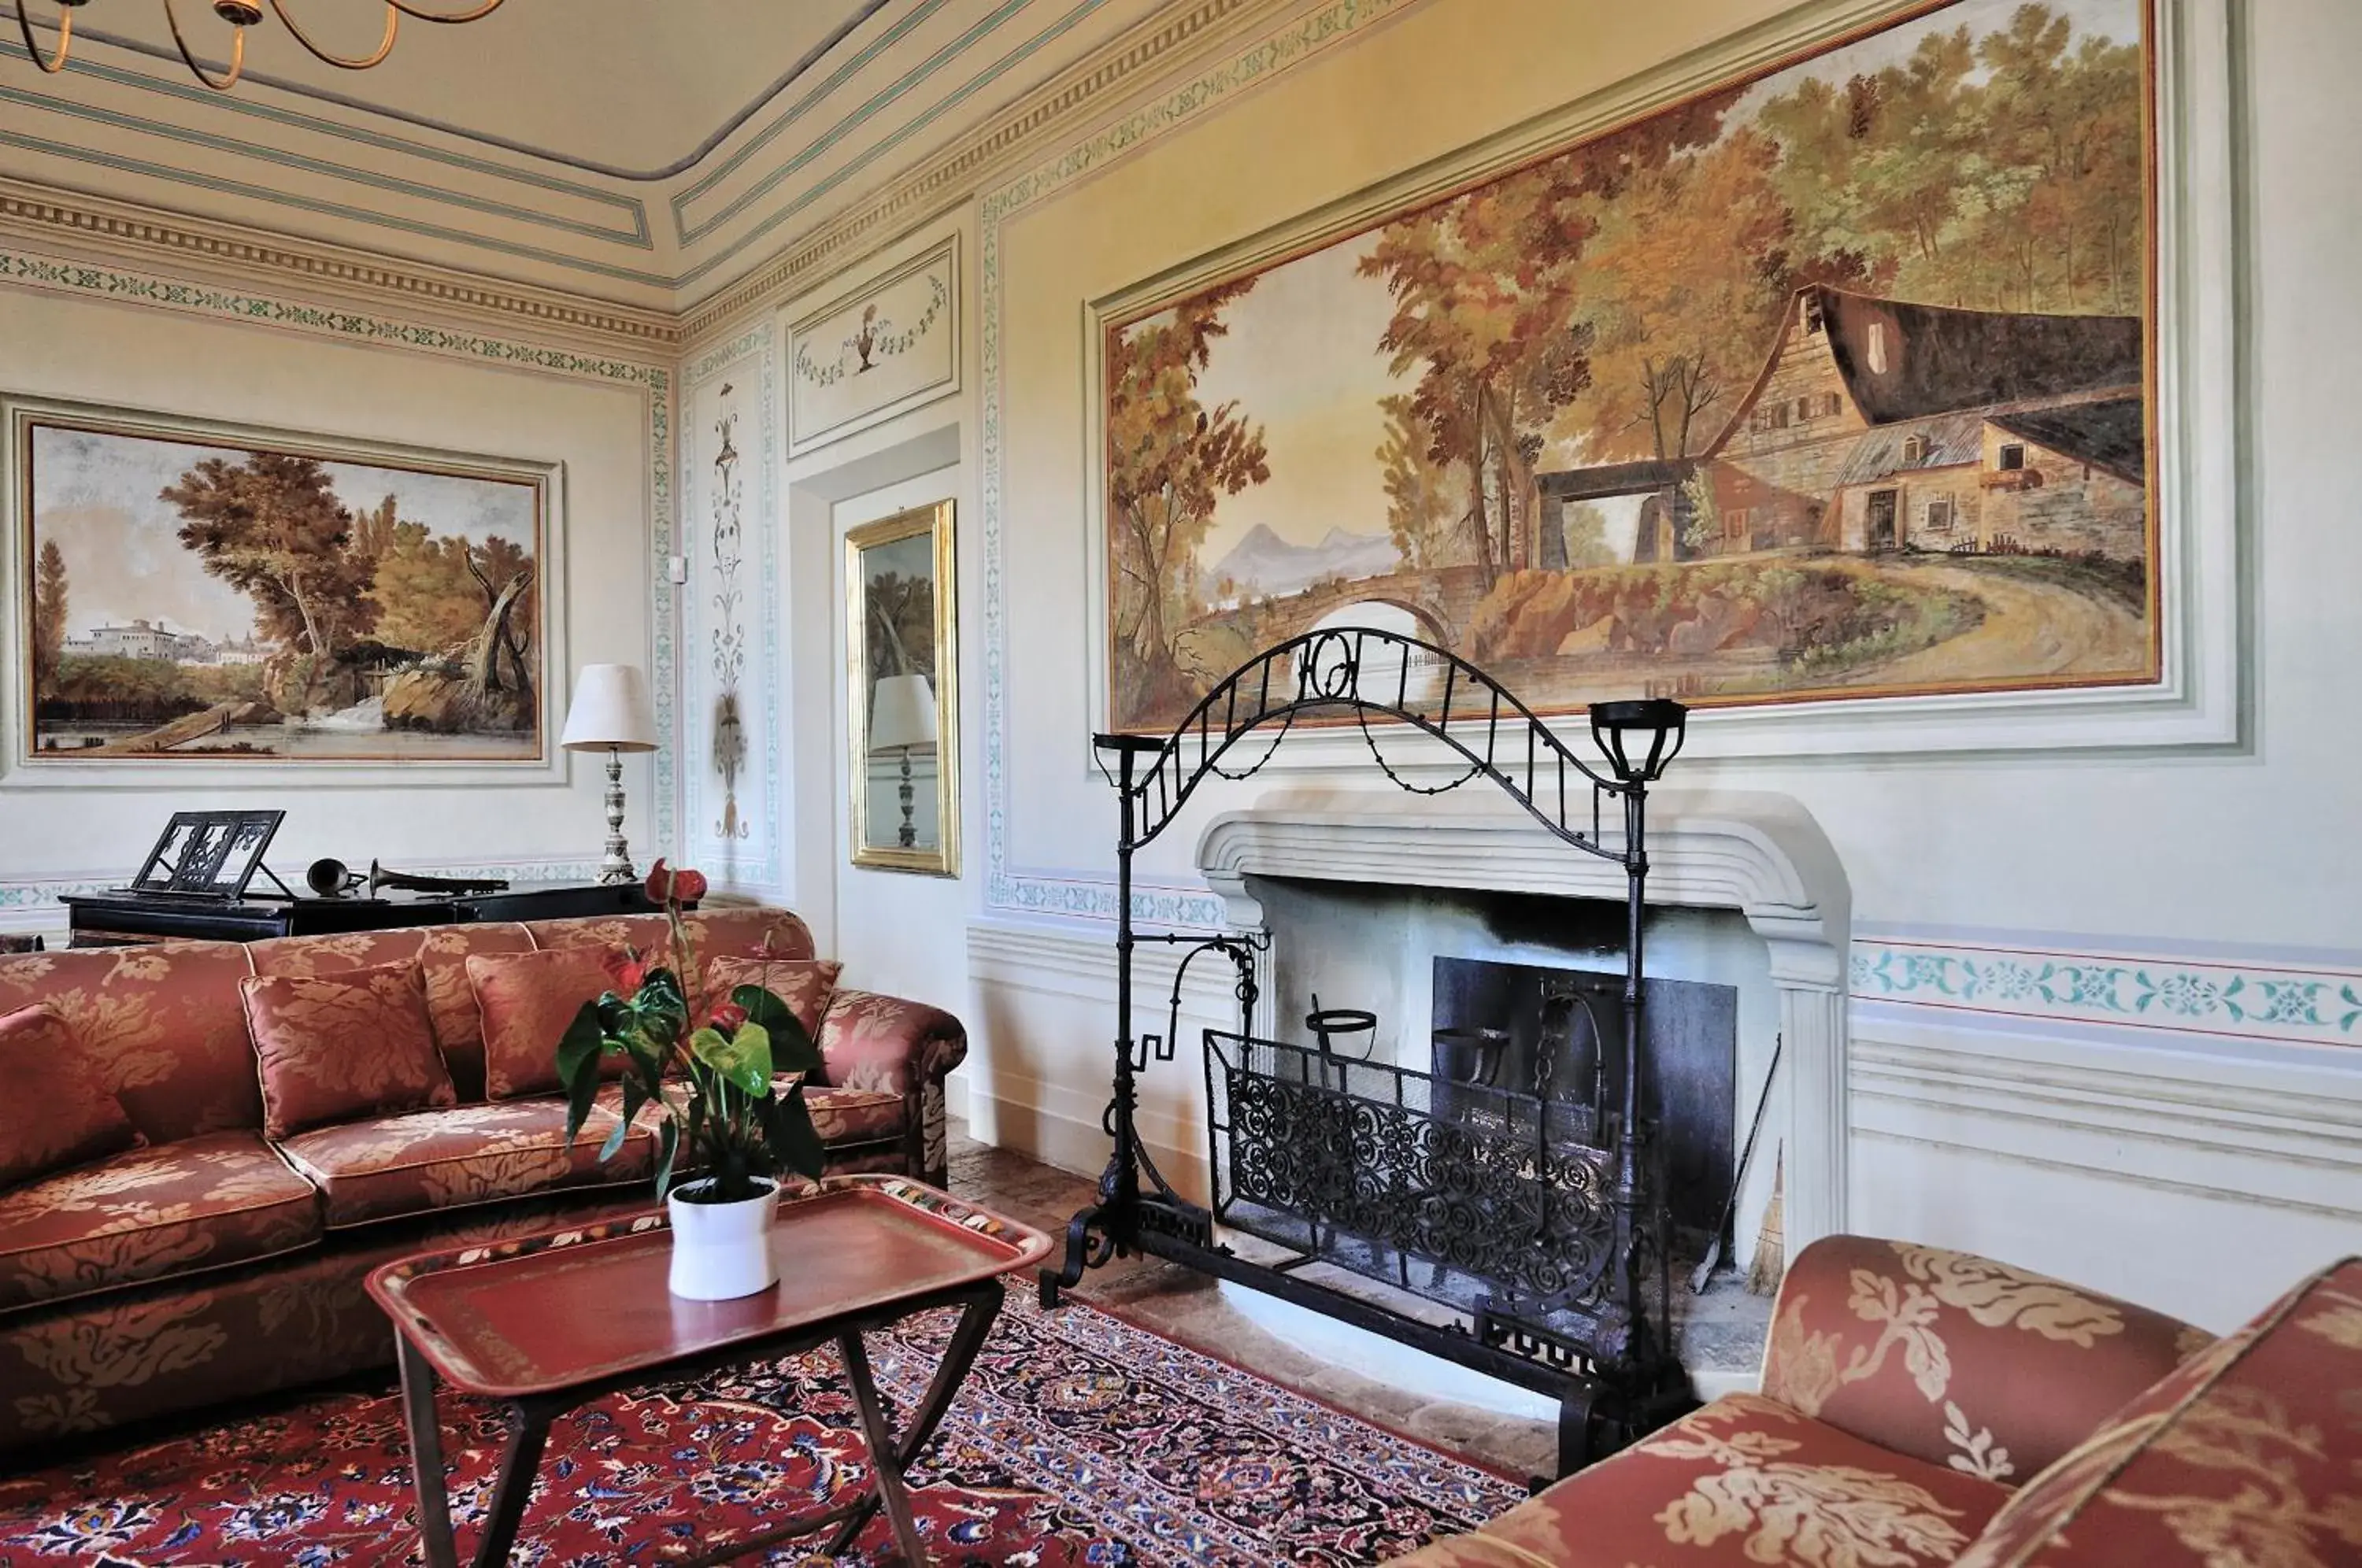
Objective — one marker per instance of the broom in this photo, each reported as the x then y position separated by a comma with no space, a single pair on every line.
1771,1244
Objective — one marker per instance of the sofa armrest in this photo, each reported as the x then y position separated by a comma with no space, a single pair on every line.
1957,1360
887,1044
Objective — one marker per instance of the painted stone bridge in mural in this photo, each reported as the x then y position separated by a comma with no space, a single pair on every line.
1441,599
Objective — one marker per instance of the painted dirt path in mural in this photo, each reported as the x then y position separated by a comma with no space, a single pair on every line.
2037,628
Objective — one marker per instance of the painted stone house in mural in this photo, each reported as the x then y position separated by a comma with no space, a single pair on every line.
1880,424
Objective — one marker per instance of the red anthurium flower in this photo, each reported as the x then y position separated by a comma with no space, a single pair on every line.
667,886
624,967
726,1017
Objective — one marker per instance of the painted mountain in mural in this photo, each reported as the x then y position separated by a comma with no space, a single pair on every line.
1263,564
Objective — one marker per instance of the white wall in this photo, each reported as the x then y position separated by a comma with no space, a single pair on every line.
2107,1014
140,357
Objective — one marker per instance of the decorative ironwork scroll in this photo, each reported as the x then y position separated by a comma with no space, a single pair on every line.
1539,1218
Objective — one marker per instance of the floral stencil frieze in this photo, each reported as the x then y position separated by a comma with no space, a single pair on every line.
2261,1001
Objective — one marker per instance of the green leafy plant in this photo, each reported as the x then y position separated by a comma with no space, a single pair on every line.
708,1062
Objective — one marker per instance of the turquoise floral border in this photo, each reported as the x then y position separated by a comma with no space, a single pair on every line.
2294,1004
25,268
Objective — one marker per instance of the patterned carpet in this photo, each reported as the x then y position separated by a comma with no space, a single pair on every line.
1077,1438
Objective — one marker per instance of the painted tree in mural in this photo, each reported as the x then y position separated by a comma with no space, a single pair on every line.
1997,174
272,527
49,597
1422,499
1491,294
1169,459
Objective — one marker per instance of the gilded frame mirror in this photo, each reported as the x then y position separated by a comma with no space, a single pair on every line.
901,708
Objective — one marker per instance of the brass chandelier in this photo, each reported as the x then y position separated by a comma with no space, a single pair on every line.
241,14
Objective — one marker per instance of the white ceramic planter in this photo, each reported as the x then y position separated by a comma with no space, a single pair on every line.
722,1250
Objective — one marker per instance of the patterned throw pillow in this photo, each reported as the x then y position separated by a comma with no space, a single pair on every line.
344,1045
804,984
56,1112
528,1000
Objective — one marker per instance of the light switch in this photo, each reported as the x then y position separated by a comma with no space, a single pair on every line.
677,568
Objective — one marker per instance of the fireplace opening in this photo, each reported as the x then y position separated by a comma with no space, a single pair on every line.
1557,1033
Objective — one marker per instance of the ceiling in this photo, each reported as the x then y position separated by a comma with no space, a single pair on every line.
625,84
642,151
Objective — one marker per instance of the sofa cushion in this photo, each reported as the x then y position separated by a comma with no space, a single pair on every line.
855,1116
431,1160
55,1112
1956,1359
804,984
742,933
2245,1455
1742,1483
528,1000
163,1024
203,1202
441,953
333,1047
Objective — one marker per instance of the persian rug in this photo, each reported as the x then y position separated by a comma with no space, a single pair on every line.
1077,1438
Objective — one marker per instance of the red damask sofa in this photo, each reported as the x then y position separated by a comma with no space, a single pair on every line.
213,1261
1923,1407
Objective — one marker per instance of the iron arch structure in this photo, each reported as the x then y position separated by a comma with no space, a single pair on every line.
1587,1329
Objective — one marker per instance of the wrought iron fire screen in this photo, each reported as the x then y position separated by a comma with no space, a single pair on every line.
1545,1220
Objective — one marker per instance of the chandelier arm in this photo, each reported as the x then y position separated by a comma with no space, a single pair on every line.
236,53
65,39
486,9
358,63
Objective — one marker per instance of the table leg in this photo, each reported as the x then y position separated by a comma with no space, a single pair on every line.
520,1460
885,1454
426,1455
975,1322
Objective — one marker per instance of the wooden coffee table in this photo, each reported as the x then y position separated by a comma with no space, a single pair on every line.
551,1322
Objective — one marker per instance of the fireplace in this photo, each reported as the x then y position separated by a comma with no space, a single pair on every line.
1557,1035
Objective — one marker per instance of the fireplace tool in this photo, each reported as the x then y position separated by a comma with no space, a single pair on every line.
1545,1224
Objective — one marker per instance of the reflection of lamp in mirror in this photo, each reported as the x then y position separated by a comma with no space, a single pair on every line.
903,719
611,712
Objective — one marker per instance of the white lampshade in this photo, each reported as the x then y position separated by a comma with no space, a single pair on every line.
611,711
901,713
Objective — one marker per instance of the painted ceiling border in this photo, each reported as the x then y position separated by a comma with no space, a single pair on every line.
239,253
654,381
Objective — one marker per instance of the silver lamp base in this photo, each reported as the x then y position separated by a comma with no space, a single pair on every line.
617,867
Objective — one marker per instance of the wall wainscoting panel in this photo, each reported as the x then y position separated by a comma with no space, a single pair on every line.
732,820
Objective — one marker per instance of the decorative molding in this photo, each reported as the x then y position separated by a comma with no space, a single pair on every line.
653,382
938,265
941,182
2281,1004
43,215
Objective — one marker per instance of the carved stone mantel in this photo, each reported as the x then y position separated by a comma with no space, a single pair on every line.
1762,855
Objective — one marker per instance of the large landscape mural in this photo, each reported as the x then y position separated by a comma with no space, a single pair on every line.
191,598
1829,382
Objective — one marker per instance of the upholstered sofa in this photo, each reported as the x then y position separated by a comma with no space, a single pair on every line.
213,1259
1923,1407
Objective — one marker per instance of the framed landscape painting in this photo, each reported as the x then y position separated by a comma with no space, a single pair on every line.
206,594
1830,381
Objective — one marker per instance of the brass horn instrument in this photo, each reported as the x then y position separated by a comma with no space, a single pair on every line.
413,882
330,878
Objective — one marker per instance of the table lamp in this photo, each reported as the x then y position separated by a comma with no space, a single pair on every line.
903,719
611,712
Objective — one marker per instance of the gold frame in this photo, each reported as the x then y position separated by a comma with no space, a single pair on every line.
933,519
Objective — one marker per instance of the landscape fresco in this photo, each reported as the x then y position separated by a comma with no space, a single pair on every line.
191,599
1826,383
